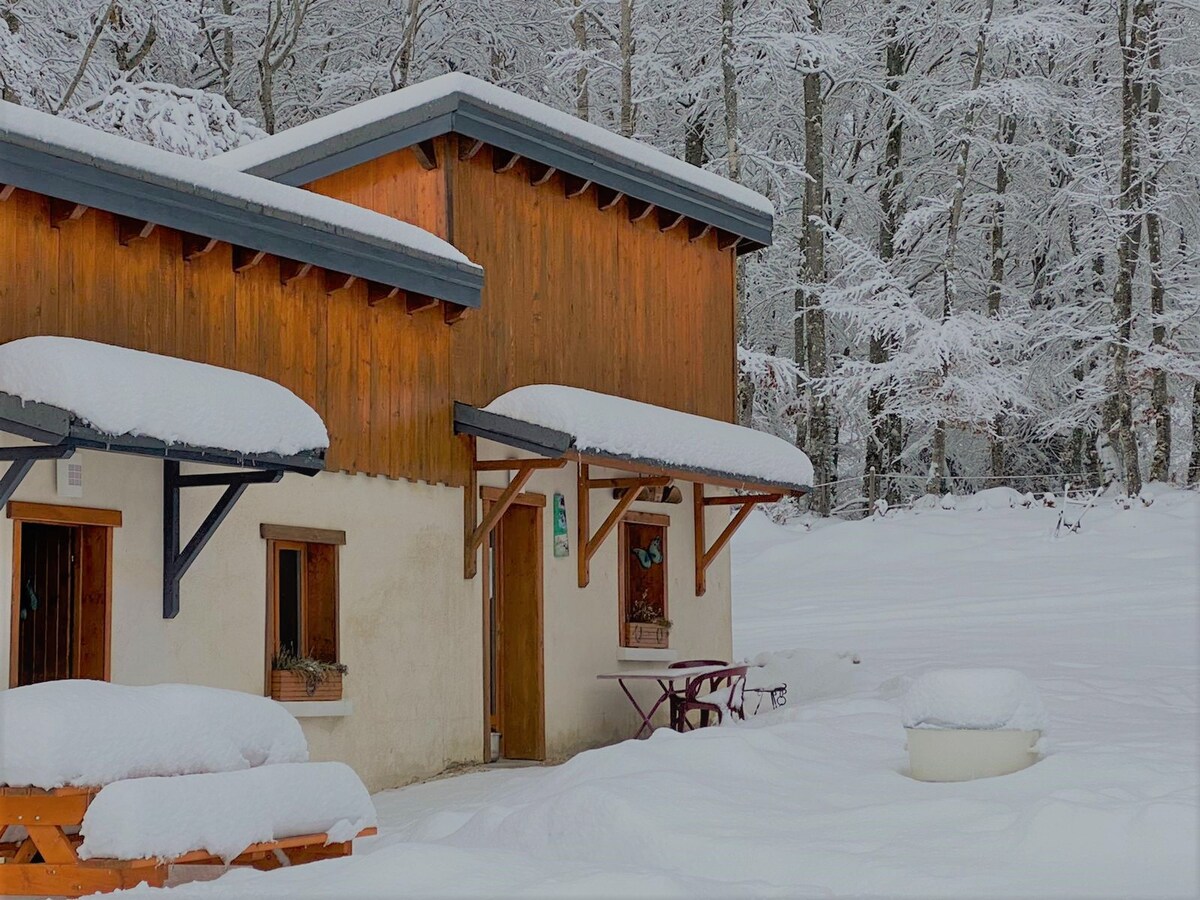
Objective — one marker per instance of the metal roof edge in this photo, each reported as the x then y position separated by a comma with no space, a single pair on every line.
236,222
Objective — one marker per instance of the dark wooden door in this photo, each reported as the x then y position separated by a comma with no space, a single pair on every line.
520,682
47,603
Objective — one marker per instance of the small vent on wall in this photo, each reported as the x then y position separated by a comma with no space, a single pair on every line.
69,475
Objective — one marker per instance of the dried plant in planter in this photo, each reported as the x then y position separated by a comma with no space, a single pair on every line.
315,672
645,613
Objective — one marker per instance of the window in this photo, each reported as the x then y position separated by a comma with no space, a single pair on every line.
302,613
643,572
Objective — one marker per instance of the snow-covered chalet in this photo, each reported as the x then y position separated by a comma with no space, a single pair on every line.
437,389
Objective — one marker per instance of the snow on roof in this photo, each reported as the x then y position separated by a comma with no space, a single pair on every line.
617,427
41,131
444,92
129,392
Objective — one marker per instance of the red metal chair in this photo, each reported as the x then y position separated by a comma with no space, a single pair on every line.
677,696
728,684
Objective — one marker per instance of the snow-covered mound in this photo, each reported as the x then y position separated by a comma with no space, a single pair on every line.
120,391
94,733
973,698
616,426
226,812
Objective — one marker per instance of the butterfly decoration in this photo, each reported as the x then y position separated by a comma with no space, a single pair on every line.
651,556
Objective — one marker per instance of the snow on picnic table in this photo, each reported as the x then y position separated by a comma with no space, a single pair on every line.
812,800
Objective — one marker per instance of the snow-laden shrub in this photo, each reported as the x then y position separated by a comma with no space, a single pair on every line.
184,121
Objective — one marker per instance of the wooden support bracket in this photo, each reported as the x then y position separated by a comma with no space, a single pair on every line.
291,269
468,149
668,219
540,173
727,240
63,211
697,230
245,258
414,303
130,230
475,534
377,293
453,312
6,191
196,245
338,281
504,160
745,504
639,209
426,155
589,543
573,186
607,198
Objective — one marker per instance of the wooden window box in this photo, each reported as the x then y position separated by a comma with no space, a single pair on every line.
289,687
646,636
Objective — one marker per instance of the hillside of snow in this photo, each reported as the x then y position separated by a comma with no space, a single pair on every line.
813,800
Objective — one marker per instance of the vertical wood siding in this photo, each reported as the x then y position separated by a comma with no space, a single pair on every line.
571,295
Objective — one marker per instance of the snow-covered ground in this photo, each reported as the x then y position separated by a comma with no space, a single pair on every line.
813,800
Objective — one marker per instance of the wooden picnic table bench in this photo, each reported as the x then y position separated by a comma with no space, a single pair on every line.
44,861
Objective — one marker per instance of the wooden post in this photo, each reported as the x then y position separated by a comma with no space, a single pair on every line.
583,515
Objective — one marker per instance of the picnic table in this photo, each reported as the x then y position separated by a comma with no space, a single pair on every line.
666,678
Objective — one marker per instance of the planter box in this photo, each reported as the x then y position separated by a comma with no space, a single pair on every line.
646,636
961,754
289,687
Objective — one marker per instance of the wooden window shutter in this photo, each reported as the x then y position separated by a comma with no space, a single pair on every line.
321,602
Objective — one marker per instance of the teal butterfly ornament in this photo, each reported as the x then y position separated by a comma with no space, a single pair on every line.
651,556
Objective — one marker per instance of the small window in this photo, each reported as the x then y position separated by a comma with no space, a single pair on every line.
643,547
302,613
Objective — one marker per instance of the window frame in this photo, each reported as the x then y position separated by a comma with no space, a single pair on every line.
299,538
624,552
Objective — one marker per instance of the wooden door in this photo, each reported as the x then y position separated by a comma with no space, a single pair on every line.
47,603
519,671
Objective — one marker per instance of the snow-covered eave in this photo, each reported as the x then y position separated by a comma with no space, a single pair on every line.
481,111
554,444
72,162
62,430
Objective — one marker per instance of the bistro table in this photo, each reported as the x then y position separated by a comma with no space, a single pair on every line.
666,678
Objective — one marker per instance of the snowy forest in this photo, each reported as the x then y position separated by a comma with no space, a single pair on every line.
986,265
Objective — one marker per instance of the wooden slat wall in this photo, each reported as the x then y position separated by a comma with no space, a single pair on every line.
572,295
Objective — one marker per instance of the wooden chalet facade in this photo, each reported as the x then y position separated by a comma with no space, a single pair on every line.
586,261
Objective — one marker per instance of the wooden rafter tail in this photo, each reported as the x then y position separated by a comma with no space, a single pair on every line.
6,191
607,198
667,219
377,293
453,312
291,269
415,303
246,258
504,160
63,211
574,186
705,557
197,245
468,149
639,209
130,230
540,173
426,154
338,281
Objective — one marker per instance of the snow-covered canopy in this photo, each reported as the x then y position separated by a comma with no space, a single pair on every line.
118,392
437,98
88,733
617,428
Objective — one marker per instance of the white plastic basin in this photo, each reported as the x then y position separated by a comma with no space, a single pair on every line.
961,754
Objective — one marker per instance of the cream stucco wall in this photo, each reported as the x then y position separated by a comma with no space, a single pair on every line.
411,625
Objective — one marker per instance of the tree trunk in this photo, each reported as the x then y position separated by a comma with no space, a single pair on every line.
937,466
884,440
1160,399
1008,132
628,113
729,90
818,443
1121,430
402,68
1194,465
582,100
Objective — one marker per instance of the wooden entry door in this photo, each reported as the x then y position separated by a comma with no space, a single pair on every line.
518,672
62,593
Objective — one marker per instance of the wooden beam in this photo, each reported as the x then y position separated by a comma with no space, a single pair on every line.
468,149
668,220
583,525
697,230
607,198
377,293
499,508
573,185
196,245
426,154
6,191
414,303
130,230
338,281
62,211
453,312
745,504
639,209
739,499
540,173
246,258
504,160
727,241
589,543
291,269
507,465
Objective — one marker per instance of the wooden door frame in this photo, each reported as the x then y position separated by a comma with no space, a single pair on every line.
490,495
21,512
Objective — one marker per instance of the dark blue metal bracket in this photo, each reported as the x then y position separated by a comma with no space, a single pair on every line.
176,562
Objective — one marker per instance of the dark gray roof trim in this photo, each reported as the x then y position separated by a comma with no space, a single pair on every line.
555,444
466,115
180,206
53,425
